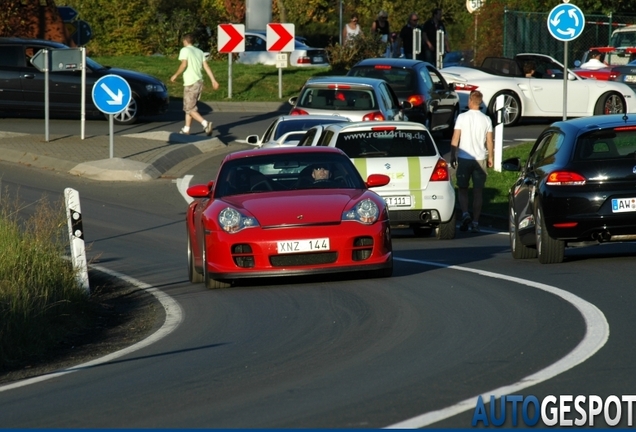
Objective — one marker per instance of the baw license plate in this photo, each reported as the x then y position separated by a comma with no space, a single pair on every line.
398,201
621,205
295,246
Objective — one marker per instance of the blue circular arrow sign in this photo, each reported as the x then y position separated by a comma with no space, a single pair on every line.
111,94
566,22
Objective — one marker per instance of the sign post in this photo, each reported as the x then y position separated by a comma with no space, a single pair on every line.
231,39
111,95
281,39
565,23
56,60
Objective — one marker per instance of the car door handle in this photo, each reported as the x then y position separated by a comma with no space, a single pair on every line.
28,76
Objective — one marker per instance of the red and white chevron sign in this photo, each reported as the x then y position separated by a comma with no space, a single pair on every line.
280,37
231,38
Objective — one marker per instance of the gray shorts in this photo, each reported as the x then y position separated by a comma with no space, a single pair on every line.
191,95
468,169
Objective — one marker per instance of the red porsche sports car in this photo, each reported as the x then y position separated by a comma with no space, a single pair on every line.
287,211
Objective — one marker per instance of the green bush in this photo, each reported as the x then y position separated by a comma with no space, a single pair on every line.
344,57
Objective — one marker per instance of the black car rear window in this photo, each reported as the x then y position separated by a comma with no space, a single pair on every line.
386,143
607,144
399,79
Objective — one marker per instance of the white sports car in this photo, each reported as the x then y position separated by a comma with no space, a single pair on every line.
540,95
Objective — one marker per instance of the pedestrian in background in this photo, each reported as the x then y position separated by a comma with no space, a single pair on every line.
594,63
351,30
406,35
381,29
192,60
429,36
472,149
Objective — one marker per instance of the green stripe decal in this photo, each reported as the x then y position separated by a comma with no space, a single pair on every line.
361,166
415,181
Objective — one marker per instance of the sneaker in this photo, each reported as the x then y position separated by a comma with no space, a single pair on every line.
208,129
474,227
184,132
465,222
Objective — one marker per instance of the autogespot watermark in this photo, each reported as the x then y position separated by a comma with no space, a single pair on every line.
561,410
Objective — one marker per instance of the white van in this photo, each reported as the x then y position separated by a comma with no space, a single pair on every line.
624,37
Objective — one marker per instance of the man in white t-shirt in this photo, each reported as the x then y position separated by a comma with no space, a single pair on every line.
472,150
192,60
594,63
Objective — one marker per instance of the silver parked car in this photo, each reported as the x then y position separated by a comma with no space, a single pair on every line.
358,98
286,130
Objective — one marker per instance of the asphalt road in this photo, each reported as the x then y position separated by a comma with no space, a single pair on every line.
332,352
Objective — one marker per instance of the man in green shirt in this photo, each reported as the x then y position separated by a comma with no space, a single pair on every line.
192,59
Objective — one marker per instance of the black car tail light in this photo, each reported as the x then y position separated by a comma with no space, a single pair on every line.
565,178
440,173
362,248
565,225
416,100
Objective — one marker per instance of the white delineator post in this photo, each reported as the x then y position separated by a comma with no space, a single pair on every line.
499,105
76,236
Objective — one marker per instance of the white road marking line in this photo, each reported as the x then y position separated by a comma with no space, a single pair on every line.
182,186
596,335
174,317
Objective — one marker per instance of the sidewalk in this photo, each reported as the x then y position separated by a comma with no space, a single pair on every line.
136,157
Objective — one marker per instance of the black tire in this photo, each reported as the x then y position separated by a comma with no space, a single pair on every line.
130,114
511,108
446,231
422,230
518,249
610,103
209,282
549,250
193,275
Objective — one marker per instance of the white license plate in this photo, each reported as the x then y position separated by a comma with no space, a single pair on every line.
630,78
296,246
398,201
318,60
624,205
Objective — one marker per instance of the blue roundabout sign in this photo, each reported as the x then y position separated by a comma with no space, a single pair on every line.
566,22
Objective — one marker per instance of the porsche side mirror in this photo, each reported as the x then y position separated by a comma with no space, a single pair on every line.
377,180
252,140
200,191
512,164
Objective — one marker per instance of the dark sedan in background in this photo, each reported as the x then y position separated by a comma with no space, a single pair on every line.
578,186
22,85
434,102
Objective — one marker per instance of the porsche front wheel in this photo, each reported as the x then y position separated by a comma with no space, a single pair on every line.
511,108
193,274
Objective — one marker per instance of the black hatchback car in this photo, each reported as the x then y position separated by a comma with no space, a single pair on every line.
434,102
22,85
578,186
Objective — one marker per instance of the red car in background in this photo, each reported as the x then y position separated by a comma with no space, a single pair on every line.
618,61
287,211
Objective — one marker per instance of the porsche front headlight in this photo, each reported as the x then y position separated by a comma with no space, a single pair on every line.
232,221
366,212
